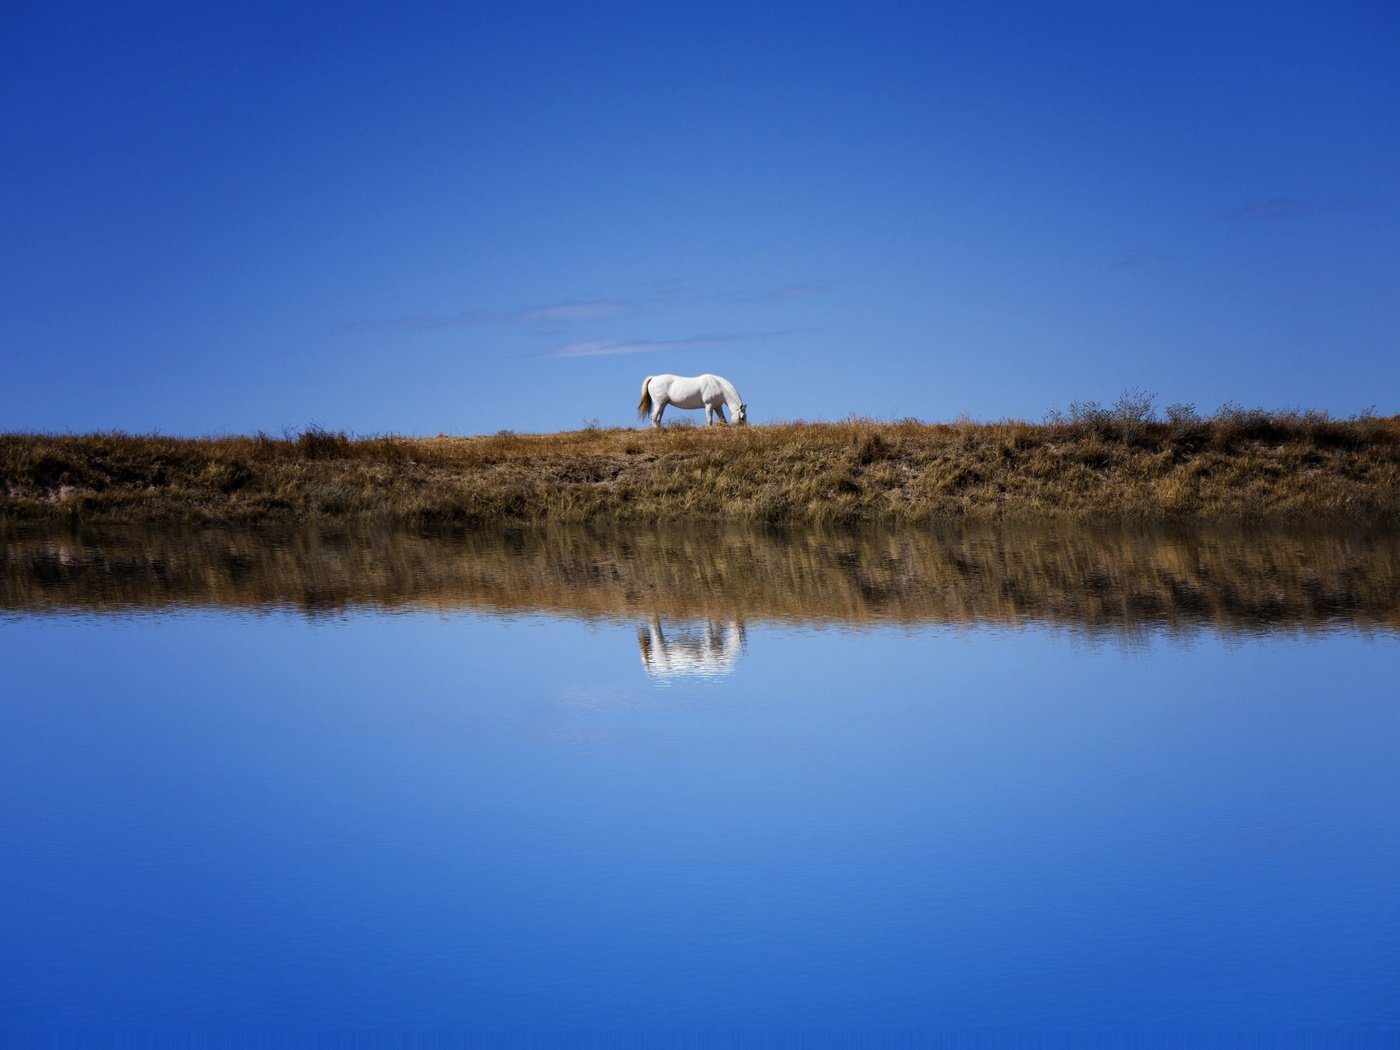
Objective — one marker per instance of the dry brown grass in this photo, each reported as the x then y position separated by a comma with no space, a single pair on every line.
1240,464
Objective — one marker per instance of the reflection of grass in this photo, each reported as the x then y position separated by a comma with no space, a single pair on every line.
1099,577
1121,462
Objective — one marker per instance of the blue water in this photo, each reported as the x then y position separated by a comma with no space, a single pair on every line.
222,820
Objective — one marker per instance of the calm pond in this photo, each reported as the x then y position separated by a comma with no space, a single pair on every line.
566,779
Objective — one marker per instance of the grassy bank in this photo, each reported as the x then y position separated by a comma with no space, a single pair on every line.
1093,463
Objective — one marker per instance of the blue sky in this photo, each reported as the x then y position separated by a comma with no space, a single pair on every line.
461,218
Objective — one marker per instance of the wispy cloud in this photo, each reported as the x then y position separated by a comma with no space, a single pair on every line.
575,312
602,347
580,311
1276,209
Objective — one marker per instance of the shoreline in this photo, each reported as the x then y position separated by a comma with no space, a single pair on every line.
1237,466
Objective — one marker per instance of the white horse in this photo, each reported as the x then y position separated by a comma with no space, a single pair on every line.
709,392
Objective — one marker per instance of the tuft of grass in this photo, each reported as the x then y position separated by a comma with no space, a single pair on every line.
316,442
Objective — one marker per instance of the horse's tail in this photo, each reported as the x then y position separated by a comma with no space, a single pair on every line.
644,405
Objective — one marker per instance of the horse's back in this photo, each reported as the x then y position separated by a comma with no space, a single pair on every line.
662,384
683,391
698,381
689,391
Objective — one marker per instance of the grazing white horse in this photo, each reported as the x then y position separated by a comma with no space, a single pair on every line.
709,392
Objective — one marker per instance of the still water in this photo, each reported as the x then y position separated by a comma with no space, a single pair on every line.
564,780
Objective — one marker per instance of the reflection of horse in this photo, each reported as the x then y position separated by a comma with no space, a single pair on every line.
707,650
709,392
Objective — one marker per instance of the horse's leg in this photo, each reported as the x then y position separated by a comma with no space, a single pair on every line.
709,414
656,416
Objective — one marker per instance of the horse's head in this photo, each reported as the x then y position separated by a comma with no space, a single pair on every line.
741,414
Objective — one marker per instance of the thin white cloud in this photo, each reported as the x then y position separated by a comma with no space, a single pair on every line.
576,312
581,311
603,347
